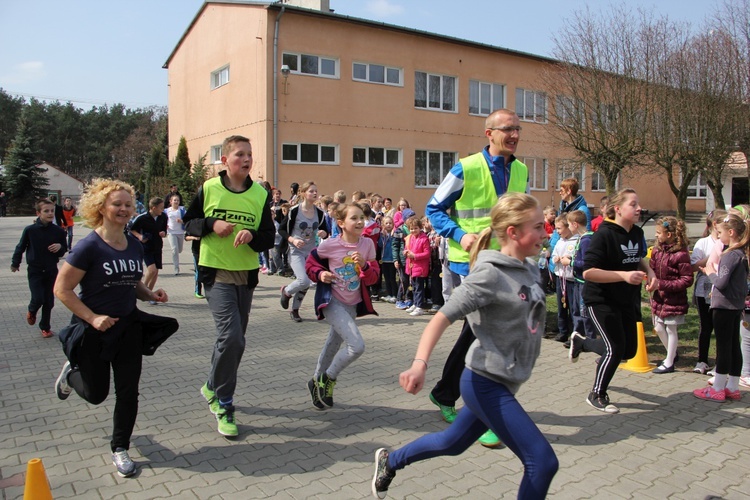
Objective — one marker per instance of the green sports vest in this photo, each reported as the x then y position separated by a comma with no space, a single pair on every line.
242,209
472,210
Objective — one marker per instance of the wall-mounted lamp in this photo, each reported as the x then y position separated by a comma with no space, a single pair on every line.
285,73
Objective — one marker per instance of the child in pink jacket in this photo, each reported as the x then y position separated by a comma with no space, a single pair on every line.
417,253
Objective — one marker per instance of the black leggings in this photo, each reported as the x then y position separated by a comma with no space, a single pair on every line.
616,325
90,378
706,328
728,354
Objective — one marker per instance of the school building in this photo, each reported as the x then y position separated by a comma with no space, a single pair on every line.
357,104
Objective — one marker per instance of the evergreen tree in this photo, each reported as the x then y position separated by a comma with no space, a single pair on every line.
198,174
156,166
179,171
24,179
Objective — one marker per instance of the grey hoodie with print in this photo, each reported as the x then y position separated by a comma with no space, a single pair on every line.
506,309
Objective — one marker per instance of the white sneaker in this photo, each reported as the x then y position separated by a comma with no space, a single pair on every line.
745,381
410,309
711,372
700,367
418,311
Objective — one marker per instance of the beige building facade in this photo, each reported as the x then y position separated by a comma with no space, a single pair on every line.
360,105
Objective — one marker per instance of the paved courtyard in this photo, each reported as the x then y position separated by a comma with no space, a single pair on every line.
664,444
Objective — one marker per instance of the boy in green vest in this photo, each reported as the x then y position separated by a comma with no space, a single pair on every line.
232,216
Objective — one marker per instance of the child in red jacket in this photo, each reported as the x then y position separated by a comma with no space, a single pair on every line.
417,253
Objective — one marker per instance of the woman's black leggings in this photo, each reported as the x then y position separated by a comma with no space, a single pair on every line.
728,353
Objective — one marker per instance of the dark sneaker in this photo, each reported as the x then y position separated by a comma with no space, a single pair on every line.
121,460
317,403
284,300
31,318
561,337
601,403
62,388
294,314
576,346
448,413
325,389
227,426
490,440
383,474
211,399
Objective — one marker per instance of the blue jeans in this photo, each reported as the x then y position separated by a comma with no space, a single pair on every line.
564,312
489,404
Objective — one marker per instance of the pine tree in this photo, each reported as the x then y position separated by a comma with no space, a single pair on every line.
24,178
179,170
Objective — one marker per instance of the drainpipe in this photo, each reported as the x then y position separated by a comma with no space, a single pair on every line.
276,99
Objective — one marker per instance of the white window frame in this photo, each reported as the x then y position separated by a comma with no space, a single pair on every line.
216,153
698,188
535,182
571,168
300,145
538,103
602,182
477,91
294,61
430,83
386,69
220,77
369,150
445,164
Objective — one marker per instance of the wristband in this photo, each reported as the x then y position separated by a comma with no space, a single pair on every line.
422,360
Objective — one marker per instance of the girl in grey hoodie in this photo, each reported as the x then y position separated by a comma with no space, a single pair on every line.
505,306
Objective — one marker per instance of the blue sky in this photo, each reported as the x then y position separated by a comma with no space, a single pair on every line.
93,52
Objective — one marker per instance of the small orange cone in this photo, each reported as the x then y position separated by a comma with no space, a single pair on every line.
37,484
639,363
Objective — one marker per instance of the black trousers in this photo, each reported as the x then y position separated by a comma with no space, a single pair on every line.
448,389
616,325
41,284
90,379
706,328
728,353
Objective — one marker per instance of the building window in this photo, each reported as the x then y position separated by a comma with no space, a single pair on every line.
377,73
220,77
484,98
567,169
376,157
309,153
568,111
697,187
307,64
537,173
599,182
216,154
430,167
436,92
531,106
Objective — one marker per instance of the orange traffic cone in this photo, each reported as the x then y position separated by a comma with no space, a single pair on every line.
37,484
639,363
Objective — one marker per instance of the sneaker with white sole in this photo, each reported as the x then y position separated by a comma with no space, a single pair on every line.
745,381
601,403
701,367
122,462
576,346
325,389
62,388
226,424
410,308
490,440
417,311
383,476
711,372
316,402
211,399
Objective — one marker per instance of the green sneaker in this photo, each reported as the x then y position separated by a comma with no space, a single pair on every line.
227,425
325,389
449,413
199,295
490,440
211,399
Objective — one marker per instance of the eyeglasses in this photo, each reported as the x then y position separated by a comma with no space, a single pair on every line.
508,129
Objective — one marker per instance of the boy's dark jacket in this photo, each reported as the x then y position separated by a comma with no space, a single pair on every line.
369,275
34,241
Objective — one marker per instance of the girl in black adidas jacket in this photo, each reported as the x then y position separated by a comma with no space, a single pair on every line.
613,268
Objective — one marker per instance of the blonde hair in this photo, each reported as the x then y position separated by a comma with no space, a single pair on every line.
95,195
741,228
617,200
713,217
677,228
304,187
578,217
511,209
230,142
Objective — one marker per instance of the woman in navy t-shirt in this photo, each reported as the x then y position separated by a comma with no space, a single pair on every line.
108,266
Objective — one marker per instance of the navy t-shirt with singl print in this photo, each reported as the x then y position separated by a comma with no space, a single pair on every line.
108,287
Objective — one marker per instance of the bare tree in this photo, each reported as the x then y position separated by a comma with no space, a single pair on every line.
601,85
